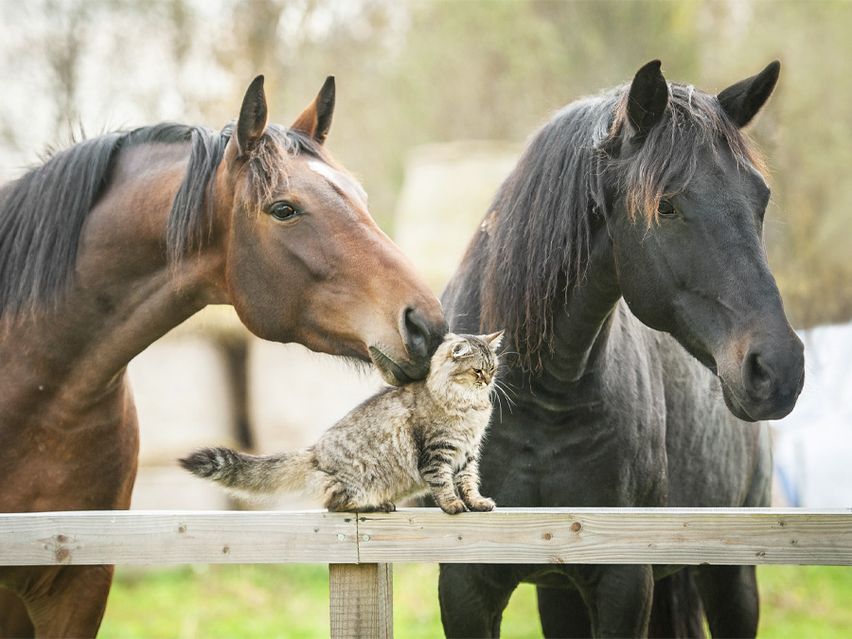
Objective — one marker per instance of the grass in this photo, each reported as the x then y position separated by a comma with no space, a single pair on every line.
292,601
805,601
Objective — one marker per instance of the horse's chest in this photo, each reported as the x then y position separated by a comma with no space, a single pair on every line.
593,448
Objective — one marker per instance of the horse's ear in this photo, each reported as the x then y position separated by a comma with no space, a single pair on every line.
315,120
743,100
647,100
252,121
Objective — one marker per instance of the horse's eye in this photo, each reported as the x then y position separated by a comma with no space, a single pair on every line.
283,211
666,209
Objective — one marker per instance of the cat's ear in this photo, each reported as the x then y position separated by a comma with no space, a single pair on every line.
494,340
462,349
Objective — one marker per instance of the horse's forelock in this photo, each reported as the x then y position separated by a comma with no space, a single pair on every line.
668,157
270,158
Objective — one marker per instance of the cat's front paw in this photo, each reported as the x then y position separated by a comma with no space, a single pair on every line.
453,507
384,507
483,504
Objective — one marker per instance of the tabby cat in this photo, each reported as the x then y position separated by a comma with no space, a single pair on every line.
399,443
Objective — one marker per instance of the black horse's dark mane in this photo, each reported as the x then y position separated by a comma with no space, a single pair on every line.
42,213
540,222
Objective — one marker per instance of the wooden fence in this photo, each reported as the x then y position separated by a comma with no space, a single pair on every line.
361,548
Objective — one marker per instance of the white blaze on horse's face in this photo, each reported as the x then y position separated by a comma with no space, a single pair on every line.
343,183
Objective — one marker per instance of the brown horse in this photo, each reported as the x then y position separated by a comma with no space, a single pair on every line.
114,241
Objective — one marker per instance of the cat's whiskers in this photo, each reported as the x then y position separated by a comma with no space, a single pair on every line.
500,393
494,394
505,385
506,388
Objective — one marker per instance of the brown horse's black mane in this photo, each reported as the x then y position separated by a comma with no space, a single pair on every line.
541,220
42,213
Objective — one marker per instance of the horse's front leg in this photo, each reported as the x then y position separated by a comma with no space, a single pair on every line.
619,599
67,601
563,613
14,618
473,597
730,599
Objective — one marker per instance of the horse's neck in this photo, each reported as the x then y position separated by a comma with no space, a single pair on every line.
581,326
123,297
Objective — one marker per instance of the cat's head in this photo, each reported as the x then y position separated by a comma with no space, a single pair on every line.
469,361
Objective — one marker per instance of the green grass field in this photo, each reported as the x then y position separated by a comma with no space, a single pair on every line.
292,601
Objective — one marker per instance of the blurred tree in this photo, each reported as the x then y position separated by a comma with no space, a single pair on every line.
62,42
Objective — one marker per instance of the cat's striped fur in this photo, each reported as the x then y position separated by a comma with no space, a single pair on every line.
399,443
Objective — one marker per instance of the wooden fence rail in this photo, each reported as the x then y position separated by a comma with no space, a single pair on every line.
360,547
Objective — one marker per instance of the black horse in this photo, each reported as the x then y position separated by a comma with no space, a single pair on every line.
624,257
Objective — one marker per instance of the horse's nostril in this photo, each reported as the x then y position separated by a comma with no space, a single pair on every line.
757,376
415,333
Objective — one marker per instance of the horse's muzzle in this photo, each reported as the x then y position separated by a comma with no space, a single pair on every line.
771,376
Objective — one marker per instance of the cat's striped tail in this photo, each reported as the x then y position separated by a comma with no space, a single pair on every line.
251,473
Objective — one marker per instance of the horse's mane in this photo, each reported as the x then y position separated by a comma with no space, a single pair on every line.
540,222
42,213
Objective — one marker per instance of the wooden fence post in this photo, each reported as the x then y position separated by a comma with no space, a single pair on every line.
361,601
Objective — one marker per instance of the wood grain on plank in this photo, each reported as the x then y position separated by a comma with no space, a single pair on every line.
609,535
361,601
176,537
509,535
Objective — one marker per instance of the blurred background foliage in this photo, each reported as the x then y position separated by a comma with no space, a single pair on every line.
426,71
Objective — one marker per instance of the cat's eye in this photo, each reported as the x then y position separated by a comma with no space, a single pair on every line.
283,211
